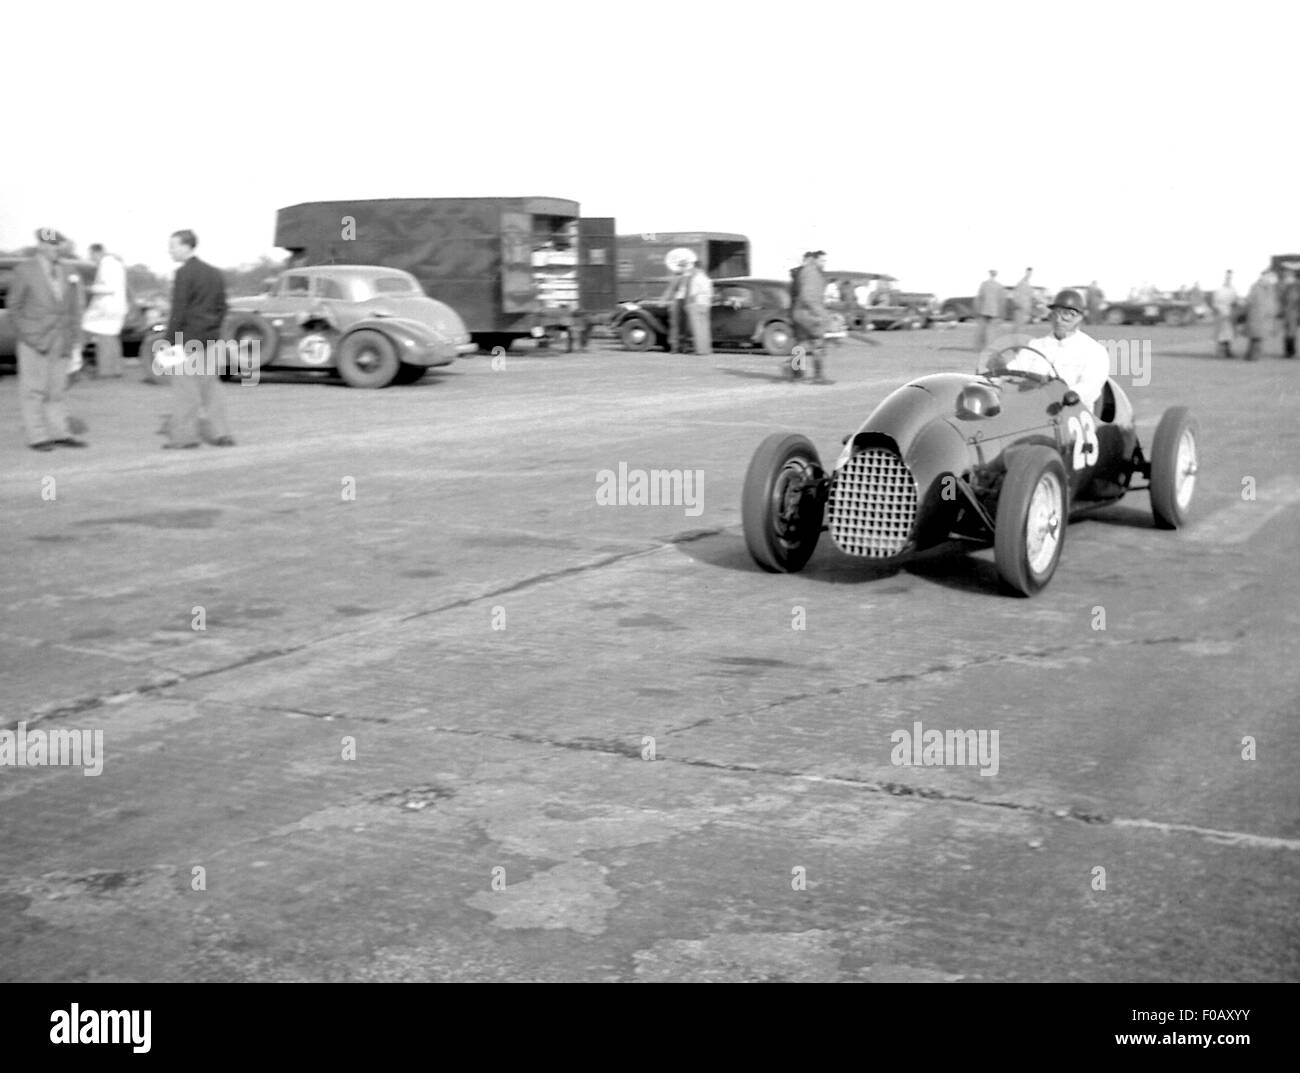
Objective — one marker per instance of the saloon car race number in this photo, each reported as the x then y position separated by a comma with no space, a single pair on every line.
1083,428
314,349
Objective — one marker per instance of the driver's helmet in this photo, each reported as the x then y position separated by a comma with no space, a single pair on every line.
1069,299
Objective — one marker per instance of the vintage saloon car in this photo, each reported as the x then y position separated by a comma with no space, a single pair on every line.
1001,457
374,325
747,312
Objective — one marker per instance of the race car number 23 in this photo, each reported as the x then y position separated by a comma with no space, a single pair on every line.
1083,429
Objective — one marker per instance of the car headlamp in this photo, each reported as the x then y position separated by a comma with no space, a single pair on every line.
978,400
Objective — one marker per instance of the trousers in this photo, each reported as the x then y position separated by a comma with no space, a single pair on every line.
43,385
108,354
197,394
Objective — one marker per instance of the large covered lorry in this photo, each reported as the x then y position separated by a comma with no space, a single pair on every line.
510,266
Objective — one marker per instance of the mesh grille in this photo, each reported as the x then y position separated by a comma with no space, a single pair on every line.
872,504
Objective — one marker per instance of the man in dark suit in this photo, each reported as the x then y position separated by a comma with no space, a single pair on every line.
198,308
45,308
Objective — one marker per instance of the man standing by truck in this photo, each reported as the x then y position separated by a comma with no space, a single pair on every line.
698,304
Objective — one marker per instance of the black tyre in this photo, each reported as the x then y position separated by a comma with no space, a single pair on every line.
368,359
778,339
410,374
1033,508
1174,462
780,504
636,334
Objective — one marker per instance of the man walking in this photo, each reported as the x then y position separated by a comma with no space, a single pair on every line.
1022,301
1224,304
1261,313
106,312
1289,308
198,308
1096,299
990,304
45,310
808,312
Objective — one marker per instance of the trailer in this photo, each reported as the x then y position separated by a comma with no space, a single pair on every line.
643,271
510,266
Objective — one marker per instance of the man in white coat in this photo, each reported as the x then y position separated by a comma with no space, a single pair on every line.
1083,363
106,311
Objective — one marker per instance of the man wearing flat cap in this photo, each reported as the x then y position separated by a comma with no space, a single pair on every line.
1082,362
44,304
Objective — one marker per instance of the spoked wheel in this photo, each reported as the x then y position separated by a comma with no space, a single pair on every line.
1174,463
781,503
1032,514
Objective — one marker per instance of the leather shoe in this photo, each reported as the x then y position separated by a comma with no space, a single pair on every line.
44,445
223,441
71,441
178,446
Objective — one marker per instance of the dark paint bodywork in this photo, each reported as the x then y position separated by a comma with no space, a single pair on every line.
958,460
511,267
735,323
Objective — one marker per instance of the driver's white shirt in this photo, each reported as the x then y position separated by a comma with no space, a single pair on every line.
1082,362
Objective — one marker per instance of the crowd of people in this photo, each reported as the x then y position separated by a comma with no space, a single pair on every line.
1271,306
51,317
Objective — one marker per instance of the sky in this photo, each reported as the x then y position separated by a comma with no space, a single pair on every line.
1131,143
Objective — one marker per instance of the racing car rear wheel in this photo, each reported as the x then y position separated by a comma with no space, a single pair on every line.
781,504
778,340
1029,530
1174,463
637,335
368,359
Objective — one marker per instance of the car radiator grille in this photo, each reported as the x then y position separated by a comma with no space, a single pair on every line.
872,504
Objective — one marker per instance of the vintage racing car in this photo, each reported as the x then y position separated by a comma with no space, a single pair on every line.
374,325
1001,457
747,312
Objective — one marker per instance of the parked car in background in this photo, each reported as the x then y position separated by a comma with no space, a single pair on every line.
747,312
1154,309
869,301
374,326
963,308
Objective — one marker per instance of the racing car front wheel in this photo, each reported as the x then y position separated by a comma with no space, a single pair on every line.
1174,463
781,503
1029,530
368,359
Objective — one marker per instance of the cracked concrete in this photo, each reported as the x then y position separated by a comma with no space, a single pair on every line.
496,816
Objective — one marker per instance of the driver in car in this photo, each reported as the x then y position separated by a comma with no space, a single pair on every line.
1082,362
